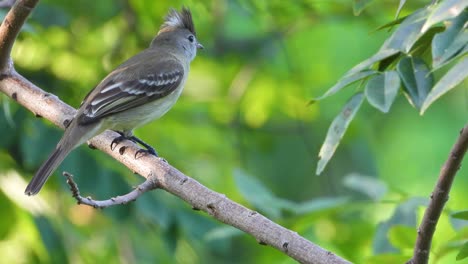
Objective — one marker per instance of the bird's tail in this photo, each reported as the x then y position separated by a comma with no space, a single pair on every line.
74,135
47,168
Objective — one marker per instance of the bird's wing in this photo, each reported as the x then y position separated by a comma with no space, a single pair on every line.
121,91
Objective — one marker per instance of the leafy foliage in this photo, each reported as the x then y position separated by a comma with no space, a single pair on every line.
405,50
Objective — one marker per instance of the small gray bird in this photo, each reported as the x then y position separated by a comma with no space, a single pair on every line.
140,90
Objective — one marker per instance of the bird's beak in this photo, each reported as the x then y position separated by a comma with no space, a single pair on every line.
200,46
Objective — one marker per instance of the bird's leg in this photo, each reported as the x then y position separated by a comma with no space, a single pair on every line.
148,149
123,136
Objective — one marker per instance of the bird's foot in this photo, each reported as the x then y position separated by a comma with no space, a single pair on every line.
148,149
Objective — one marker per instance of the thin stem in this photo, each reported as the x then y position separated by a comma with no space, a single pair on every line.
439,197
149,184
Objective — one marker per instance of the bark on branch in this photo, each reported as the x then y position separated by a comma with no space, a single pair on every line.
168,178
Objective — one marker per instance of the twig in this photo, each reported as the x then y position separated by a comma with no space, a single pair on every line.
439,197
10,28
168,178
149,184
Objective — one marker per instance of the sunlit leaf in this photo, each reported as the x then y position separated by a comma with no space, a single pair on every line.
387,259
463,252
407,33
461,215
400,6
337,129
345,81
402,237
445,45
445,10
454,244
416,78
359,5
452,78
257,103
370,186
381,90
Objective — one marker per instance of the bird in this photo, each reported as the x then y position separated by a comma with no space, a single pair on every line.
141,89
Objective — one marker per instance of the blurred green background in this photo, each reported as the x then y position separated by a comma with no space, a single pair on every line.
242,127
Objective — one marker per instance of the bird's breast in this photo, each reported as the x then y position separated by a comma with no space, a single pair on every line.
138,116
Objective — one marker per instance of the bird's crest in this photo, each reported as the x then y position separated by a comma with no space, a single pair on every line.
178,20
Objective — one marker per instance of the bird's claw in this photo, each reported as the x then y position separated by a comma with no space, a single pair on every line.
116,141
146,151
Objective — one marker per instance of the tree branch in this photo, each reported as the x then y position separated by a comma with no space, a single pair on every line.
172,180
439,197
167,177
10,28
149,184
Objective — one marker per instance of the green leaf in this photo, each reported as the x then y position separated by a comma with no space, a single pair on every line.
458,55
400,6
454,244
320,204
152,208
407,33
389,62
452,78
359,5
445,10
404,214
345,81
381,90
463,252
424,42
380,55
370,186
461,215
32,130
387,258
52,238
259,195
5,102
416,78
453,50
221,233
402,237
337,129
392,23
447,44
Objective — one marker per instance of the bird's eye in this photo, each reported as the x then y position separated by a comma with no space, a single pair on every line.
191,38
